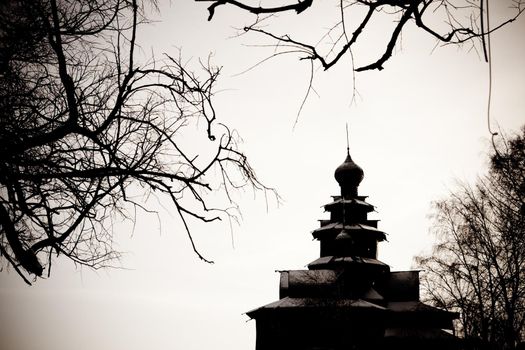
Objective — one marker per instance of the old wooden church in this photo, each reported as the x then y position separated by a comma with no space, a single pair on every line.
348,299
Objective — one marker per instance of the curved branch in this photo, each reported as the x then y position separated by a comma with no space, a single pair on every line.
298,7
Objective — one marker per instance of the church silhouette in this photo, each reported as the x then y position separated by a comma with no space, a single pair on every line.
348,299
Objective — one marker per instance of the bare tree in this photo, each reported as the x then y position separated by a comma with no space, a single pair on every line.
448,22
86,127
477,267
380,23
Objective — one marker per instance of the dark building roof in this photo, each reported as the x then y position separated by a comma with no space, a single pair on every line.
334,228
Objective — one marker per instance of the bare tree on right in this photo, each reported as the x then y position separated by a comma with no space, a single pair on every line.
477,266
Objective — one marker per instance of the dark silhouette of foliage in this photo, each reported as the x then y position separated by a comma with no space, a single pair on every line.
88,131
477,266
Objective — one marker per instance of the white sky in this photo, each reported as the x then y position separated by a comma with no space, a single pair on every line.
418,125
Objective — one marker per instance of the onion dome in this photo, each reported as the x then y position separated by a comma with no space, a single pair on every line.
349,175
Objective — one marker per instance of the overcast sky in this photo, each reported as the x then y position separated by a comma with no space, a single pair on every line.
417,126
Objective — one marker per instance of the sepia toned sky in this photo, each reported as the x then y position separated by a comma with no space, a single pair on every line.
416,128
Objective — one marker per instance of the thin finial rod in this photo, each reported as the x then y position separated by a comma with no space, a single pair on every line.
347,141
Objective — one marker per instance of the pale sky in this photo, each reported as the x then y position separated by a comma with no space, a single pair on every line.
418,125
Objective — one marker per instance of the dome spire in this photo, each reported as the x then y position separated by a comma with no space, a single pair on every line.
349,175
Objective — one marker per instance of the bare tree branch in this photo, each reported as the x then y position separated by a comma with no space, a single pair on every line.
298,7
463,21
85,126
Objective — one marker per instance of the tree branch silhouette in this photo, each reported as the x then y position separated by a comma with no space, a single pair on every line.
461,18
85,128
